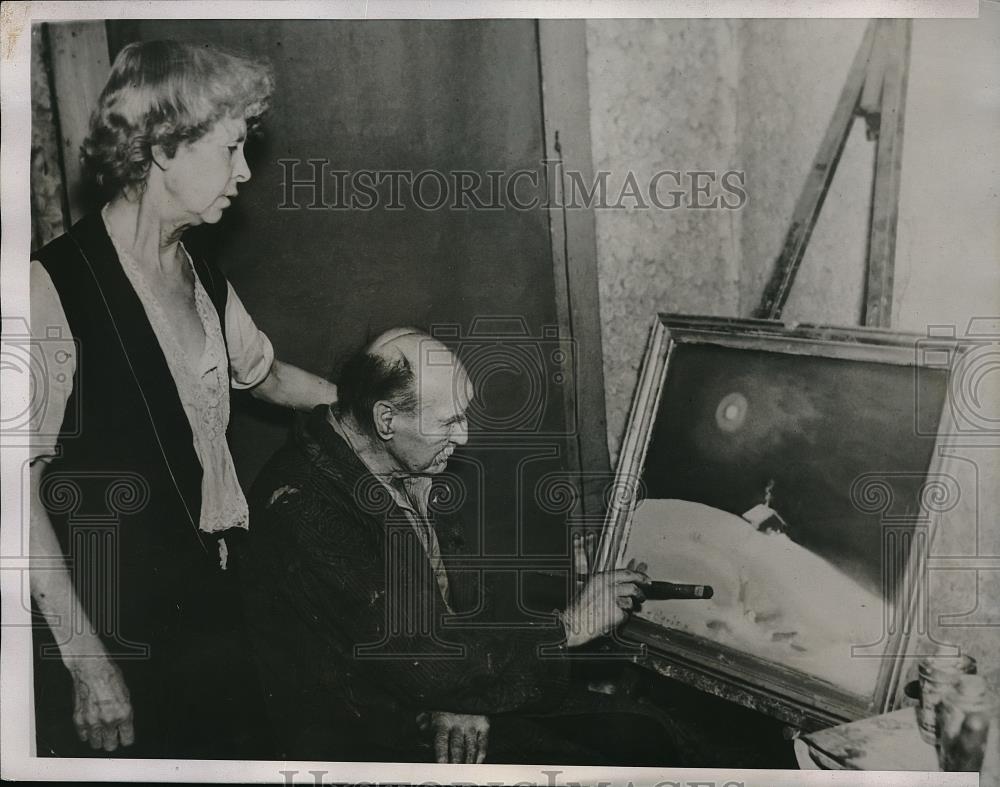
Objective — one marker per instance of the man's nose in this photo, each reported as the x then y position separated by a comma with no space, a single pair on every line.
460,435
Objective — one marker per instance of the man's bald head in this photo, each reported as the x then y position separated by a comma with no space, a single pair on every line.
396,336
422,352
405,372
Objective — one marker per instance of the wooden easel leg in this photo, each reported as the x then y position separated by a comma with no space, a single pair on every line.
888,167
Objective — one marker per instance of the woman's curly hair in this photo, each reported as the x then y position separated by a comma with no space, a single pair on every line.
167,93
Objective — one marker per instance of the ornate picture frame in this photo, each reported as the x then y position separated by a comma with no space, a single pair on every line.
811,456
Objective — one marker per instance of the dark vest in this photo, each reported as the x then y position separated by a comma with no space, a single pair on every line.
125,491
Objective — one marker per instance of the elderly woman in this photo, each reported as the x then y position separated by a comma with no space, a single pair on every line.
134,489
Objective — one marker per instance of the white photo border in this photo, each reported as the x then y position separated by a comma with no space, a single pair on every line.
15,662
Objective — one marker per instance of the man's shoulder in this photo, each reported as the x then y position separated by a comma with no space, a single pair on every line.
297,514
293,475
308,492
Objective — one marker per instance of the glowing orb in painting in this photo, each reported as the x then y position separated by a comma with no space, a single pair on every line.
731,412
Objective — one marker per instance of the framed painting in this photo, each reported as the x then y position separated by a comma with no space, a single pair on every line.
796,470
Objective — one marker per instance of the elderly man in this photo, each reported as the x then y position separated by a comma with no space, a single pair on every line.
349,592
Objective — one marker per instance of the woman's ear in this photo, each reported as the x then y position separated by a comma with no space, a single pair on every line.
160,157
382,414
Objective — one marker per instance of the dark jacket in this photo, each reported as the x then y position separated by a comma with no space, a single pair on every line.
349,625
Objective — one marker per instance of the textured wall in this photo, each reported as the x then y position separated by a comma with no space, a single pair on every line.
47,187
948,252
754,96
947,272
791,74
662,97
758,95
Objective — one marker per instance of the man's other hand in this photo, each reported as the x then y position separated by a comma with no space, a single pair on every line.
457,737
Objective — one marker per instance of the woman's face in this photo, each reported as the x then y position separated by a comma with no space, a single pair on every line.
202,177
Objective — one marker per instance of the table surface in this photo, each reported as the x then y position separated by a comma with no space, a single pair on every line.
890,742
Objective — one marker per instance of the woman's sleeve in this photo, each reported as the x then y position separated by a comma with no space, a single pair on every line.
250,352
52,357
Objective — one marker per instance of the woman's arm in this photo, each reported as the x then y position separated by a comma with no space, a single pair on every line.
102,712
254,367
290,386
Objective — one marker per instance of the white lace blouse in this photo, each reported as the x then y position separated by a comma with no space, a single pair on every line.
202,382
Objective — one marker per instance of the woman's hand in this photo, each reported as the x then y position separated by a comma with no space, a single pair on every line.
102,711
458,737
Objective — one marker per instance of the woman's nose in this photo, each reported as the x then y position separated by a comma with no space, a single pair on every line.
241,170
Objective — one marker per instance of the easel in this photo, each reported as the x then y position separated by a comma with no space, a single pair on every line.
876,89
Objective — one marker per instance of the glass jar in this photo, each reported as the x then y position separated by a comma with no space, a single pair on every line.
964,717
938,675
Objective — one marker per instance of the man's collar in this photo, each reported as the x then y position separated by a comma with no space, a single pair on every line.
326,449
378,466
408,491
331,454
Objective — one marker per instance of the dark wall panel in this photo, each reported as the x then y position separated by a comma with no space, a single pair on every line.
458,95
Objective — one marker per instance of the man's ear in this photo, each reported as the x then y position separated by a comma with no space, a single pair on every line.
382,414
160,157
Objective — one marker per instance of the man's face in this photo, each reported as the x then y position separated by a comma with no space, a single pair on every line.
425,439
